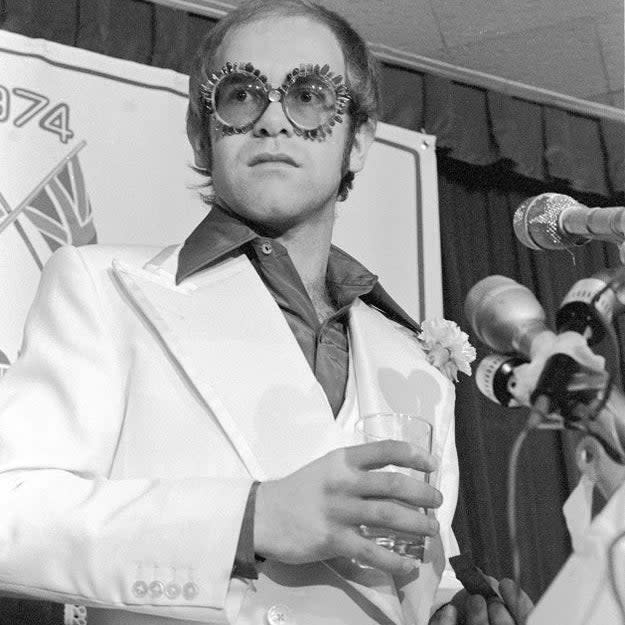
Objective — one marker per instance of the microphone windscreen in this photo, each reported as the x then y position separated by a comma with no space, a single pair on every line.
536,222
504,314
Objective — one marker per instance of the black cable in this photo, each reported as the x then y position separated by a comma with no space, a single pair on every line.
537,415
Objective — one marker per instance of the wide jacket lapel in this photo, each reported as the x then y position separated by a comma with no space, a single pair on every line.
226,335
392,374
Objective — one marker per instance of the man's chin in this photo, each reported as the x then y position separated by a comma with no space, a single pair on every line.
273,223
273,212
271,207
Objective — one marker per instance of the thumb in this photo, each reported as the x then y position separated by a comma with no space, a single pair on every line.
447,615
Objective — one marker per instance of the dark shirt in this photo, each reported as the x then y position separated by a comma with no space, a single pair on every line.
222,235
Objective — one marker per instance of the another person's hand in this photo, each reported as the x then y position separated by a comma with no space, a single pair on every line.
466,609
314,514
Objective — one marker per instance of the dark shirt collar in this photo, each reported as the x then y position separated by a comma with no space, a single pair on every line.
221,234
218,235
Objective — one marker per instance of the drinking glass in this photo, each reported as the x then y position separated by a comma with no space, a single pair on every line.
399,427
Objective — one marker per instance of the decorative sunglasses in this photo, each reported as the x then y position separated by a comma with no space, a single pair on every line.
313,98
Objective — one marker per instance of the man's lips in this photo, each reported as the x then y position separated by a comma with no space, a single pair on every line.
267,157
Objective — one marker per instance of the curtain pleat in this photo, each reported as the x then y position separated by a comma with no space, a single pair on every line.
518,126
457,114
613,136
120,28
55,21
574,151
493,151
177,35
402,97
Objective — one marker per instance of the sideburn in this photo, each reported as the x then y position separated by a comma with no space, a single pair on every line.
347,176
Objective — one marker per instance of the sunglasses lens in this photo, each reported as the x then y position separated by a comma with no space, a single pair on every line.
240,99
310,102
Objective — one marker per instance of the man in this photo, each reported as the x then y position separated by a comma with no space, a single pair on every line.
177,437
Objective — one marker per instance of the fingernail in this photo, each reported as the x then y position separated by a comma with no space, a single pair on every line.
410,565
439,499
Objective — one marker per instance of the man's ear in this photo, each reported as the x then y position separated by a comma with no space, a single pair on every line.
363,138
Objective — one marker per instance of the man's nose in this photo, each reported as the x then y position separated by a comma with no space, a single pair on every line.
273,122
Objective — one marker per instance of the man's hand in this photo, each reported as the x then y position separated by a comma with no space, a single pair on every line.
314,514
466,609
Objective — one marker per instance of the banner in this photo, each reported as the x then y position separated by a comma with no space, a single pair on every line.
94,149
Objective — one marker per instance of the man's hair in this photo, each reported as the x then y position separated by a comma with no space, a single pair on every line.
361,72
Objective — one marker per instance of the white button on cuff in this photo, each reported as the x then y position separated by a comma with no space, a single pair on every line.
156,588
139,589
266,248
280,615
172,590
190,591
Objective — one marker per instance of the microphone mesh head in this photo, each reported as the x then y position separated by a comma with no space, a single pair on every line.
504,314
536,222
480,295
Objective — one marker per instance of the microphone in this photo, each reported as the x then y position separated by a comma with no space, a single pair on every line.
552,221
507,317
504,314
591,304
493,377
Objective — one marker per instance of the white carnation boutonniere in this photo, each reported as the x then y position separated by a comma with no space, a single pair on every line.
446,347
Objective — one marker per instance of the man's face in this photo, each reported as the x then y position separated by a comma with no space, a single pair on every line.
270,175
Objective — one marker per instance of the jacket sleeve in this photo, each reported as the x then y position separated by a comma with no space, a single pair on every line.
68,532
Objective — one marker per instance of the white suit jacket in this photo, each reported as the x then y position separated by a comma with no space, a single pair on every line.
136,418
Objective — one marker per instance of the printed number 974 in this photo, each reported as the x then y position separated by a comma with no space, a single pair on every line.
23,105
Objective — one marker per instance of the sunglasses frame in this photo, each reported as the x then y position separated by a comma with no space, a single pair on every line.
342,93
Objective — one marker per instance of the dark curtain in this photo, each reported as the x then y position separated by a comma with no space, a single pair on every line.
493,151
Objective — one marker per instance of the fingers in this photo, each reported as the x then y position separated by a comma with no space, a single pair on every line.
476,610
400,487
491,612
447,615
499,614
367,552
394,516
509,591
382,453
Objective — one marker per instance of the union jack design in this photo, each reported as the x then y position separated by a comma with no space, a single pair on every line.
58,206
61,211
